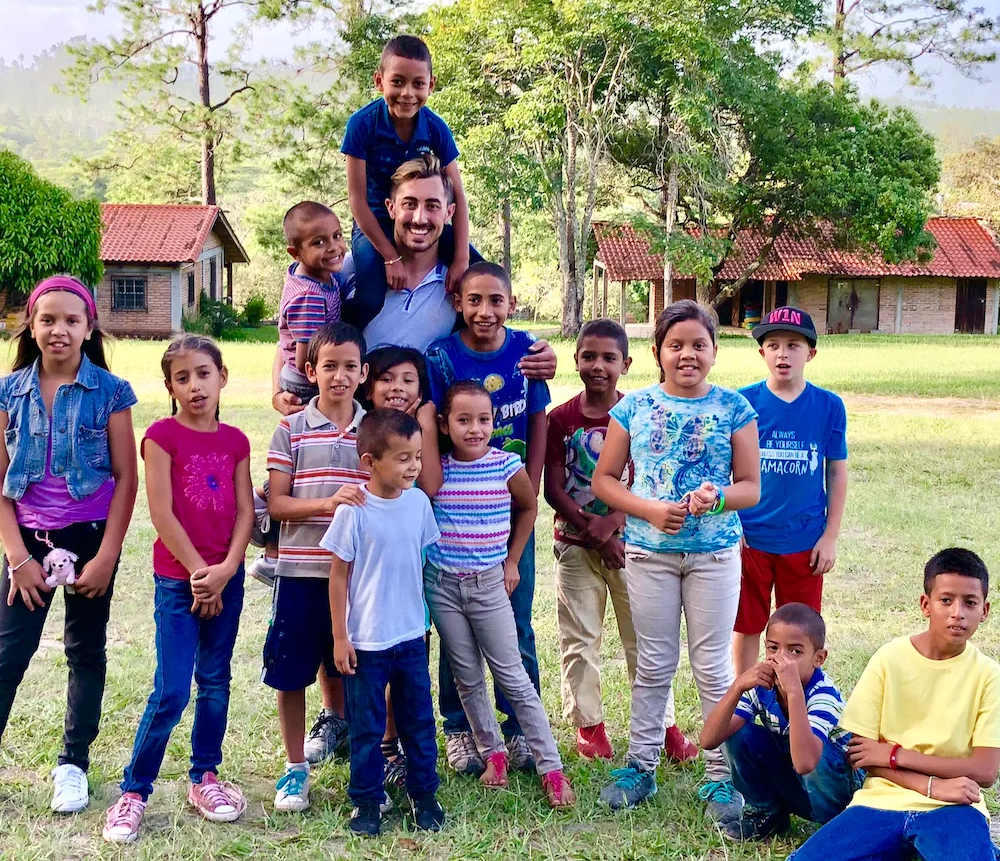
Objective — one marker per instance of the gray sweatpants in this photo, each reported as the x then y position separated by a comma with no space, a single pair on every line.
474,619
706,586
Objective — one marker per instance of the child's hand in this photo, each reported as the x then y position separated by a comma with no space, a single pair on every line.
344,657
455,271
29,582
347,494
824,554
95,577
600,529
612,554
760,675
955,790
868,753
395,275
511,577
702,500
786,672
207,583
207,609
668,517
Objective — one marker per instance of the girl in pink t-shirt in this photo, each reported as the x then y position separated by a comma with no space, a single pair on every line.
200,502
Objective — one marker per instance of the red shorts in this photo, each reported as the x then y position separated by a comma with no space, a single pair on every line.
791,577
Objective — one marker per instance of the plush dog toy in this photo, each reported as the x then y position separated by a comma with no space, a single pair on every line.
58,564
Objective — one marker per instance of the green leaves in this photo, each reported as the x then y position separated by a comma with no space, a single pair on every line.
43,230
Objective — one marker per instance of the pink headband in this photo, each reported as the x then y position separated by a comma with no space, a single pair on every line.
70,285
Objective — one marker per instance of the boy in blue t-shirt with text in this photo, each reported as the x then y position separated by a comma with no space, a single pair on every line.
488,352
379,137
790,536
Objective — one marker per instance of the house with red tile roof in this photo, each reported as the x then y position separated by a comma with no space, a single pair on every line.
956,290
159,260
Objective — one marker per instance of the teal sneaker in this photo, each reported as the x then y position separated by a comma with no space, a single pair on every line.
725,804
631,785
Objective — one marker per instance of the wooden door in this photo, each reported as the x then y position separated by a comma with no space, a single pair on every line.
853,306
970,306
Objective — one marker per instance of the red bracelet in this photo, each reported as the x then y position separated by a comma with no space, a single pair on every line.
892,757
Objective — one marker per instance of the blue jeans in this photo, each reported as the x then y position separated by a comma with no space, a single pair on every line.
186,646
404,668
761,764
369,295
954,833
521,601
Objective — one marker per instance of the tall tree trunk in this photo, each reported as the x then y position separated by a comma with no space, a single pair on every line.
839,49
205,97
505,234
669,217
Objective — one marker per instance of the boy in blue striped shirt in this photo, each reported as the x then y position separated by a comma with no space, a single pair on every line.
778,726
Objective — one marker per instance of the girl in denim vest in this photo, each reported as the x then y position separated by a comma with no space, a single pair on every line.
69,484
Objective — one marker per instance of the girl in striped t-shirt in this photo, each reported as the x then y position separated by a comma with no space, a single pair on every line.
468,579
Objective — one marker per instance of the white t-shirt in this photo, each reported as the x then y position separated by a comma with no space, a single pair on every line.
385,539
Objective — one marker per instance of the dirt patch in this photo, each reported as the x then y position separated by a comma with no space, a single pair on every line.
925,407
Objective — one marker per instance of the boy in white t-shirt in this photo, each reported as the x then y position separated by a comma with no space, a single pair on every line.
377,605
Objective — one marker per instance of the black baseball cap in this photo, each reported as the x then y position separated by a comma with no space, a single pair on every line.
786,319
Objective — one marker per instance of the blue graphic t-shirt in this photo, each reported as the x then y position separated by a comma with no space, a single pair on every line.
514,396
371,137
795,441
676,444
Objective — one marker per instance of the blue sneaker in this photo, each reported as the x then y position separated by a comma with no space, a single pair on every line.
631,786
725,804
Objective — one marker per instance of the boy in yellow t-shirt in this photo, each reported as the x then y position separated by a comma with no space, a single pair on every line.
926,722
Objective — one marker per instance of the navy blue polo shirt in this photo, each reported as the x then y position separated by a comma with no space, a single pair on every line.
371,136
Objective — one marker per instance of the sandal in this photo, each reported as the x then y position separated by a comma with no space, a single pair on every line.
558,790
498,779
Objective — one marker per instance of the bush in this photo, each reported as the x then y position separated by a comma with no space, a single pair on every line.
255,309
215,318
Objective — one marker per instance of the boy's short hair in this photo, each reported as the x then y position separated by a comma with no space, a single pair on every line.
604,328
956,560
408,48
297,217
336,334
378,427
803,617
484,267
425,166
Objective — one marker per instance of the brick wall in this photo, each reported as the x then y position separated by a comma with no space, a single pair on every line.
928,304
992,286
811,295
154,321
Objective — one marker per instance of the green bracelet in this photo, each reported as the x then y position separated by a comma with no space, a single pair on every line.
720,504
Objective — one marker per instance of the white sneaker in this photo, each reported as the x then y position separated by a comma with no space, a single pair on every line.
262,569
71,793
293,789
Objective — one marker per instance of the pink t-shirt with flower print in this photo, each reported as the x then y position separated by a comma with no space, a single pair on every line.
202,481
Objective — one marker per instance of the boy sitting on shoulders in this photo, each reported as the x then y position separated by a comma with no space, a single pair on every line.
794,760
925,715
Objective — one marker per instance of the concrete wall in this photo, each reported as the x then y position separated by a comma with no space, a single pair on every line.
156,321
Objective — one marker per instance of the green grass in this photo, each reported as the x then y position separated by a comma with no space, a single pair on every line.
923,475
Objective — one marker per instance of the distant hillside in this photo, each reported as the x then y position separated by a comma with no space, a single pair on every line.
956,129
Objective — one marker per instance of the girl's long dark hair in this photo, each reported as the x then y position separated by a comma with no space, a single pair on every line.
27,349
190,343
385,359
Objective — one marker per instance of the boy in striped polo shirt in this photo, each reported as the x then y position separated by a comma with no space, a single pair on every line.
778,725
314,468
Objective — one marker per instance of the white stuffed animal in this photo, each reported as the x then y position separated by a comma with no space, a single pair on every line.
58,564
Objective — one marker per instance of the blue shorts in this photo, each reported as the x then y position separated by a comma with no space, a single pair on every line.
300,638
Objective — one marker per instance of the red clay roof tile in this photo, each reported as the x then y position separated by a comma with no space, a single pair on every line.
155,233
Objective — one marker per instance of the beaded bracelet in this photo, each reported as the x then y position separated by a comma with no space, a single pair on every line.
21,564
390,262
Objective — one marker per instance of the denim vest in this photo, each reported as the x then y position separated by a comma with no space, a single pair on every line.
80,413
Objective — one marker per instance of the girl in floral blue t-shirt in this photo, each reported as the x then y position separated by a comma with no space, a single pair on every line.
694,447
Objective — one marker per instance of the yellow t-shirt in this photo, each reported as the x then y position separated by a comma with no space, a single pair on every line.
939,708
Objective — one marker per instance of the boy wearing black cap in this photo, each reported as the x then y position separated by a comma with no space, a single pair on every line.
791,534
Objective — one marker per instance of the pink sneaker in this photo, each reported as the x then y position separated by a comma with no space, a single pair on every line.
217,802
123,820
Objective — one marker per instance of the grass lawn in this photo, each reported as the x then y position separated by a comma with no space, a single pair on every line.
925,473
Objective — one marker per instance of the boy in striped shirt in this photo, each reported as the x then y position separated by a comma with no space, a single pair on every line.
778,726
314,468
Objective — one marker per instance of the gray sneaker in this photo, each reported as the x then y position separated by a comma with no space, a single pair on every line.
327,737
519,754
724,803
631,786
463,756
262,569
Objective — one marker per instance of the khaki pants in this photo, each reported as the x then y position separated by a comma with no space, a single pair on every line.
705,587
582,588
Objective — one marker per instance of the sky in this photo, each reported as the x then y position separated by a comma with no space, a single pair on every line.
31,26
